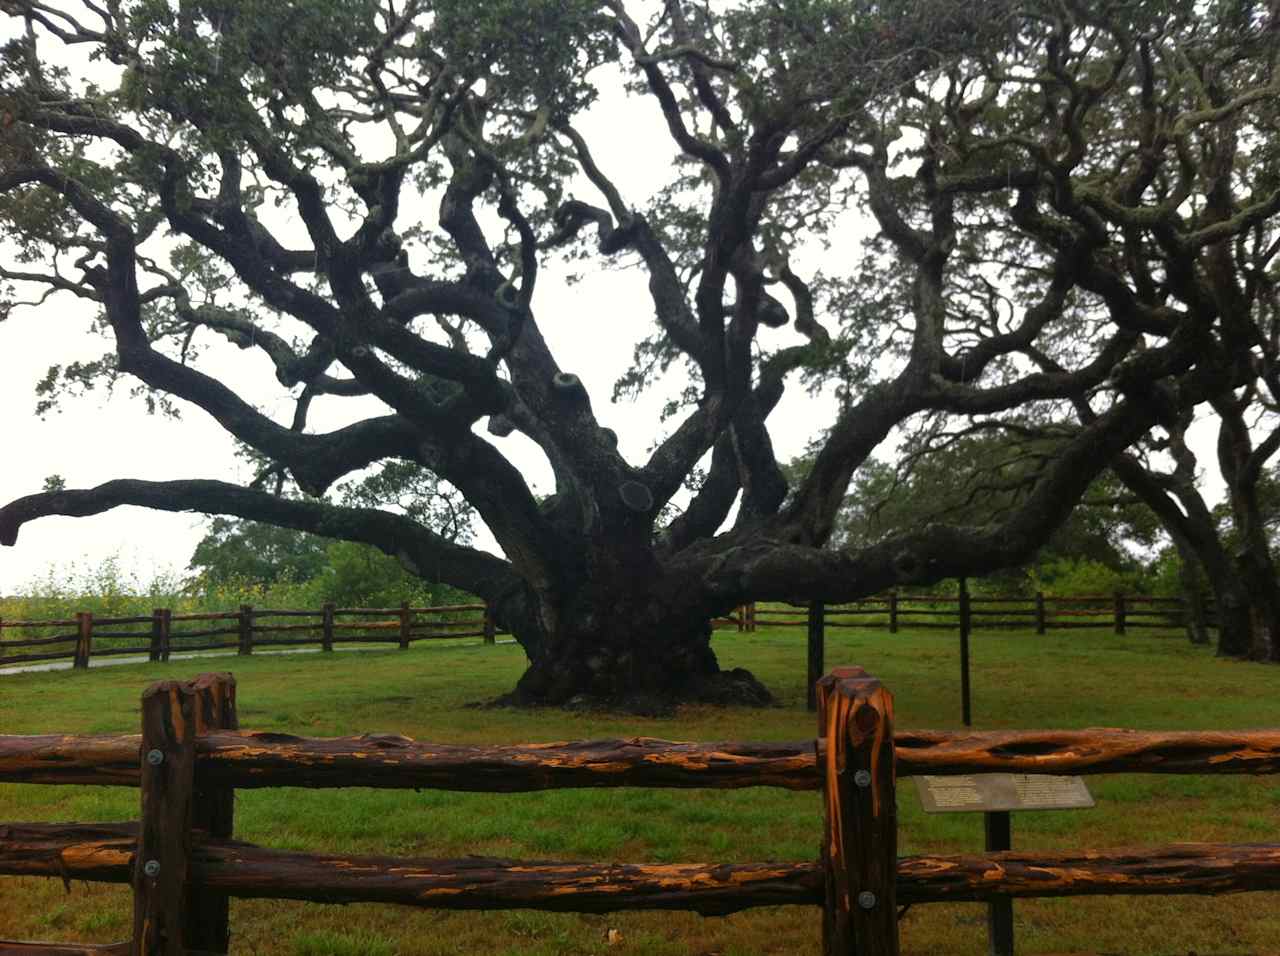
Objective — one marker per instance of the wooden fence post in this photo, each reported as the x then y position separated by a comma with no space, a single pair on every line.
246,628
742,618
966,624
1119,612
164,835
860,845
84,639
490,626
817,649
156,650
166,635
751,617
404,625
893,612
1040,622
207,919
326,623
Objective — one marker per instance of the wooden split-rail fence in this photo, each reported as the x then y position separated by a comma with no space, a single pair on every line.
162,632
1039,612
83,636
183,864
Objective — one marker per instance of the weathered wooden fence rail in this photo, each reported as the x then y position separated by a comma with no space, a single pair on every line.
162,632
158,634
183,864
1038,612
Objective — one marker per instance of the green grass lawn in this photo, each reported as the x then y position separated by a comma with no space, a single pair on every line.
1061,680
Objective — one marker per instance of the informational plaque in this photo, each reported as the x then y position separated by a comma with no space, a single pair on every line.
993,792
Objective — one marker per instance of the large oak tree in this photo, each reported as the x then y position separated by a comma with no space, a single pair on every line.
1050,183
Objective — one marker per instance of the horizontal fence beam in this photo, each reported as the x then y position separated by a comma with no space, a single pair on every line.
1185,868
250,759
66,949
276,760
104,853
247,759
1087,752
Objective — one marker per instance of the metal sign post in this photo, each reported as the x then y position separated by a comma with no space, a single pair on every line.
995,795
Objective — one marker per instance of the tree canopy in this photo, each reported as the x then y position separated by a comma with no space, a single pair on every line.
1074,207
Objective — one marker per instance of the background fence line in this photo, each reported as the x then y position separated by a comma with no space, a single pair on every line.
184,866
156,635
162,632
894,611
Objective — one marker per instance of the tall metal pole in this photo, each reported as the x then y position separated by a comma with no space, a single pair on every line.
965,709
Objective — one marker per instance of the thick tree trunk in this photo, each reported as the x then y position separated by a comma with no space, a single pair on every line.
633,641
1235,625
1255,571
615,629
1191,576
634,656
1258,574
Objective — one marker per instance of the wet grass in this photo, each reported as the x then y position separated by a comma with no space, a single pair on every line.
1061,680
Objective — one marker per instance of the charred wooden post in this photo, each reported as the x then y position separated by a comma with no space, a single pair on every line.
84,639
207,918
893,612
1120,612
160,869
326,624
404,625
1040,622
966,622
860,846
245,620
490,625
817,650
